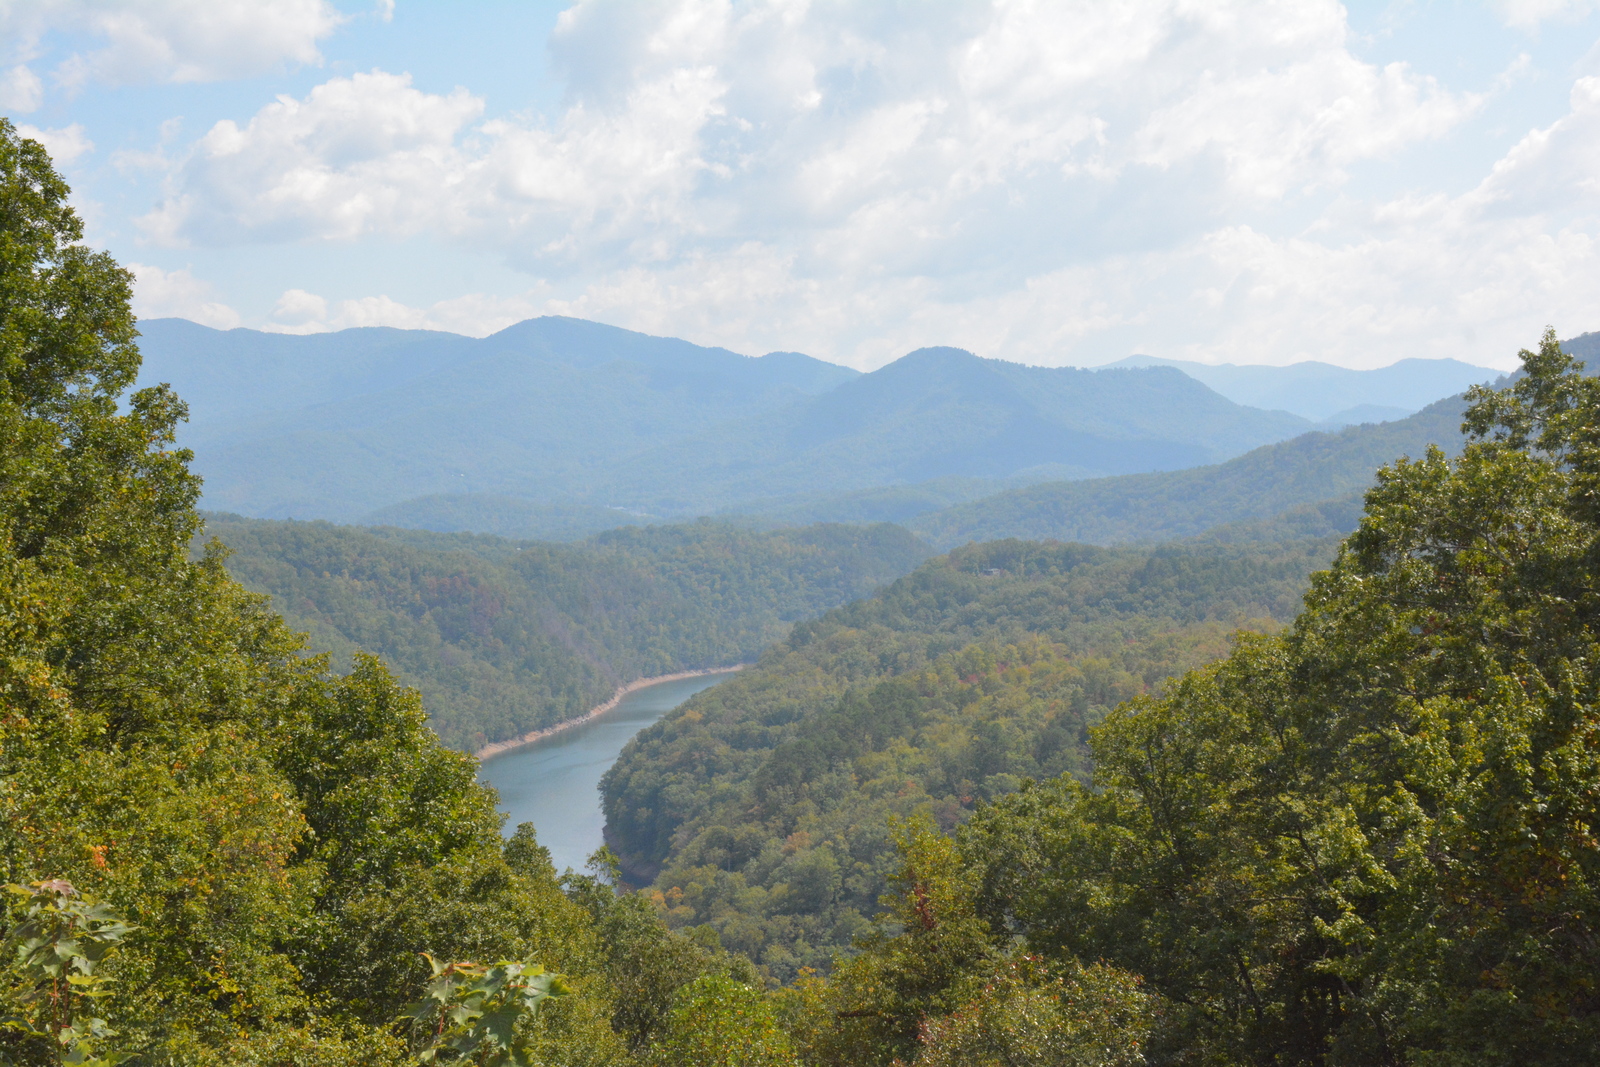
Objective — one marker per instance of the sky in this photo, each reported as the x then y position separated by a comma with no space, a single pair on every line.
1048,182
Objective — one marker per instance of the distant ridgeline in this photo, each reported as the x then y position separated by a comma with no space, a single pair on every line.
583,426
556,428
503,637
762,806
1309,470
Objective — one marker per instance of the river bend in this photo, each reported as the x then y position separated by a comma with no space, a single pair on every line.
554,783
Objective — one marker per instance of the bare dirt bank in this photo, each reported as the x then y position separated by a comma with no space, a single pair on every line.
501,747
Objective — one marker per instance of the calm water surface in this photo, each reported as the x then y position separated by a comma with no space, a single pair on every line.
555,783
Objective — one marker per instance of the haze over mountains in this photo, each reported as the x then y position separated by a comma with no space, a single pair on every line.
559,409
1323,392
559,427
1259,485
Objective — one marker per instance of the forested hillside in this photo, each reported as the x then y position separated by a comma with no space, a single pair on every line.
217,852
1371,836
507,516
1309,469
503,637
762,806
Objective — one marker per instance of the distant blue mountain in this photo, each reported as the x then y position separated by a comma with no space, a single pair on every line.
1586,346
335,425
1326,471
238,380
944,412
583,419
1323,392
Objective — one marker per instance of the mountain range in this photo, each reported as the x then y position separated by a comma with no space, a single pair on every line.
1260,485
1334,395
557,427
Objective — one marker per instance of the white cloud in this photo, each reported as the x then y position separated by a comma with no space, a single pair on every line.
171,40
65,145
1052,182
691,123
476,315
21,91
1556,169
1530,14
1272,142
159,293
358,155
296,308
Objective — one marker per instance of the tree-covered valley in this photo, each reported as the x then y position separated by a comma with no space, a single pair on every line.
505,637
1312,779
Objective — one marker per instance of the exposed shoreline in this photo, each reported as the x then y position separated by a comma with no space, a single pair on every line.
502,747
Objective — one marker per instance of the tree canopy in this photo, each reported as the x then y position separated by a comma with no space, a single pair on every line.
275,845
1372,839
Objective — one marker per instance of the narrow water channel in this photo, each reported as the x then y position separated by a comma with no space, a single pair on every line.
555,783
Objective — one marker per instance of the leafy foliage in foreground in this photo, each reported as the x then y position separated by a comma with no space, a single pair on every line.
271,844
473,1010
54,950
946,988
1372,839
760,809
503,637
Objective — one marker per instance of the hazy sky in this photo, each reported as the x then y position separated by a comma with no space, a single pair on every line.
1053,182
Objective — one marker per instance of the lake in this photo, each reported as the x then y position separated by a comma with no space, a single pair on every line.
555,783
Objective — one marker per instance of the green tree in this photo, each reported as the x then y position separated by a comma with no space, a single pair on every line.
473,1013
283,840
53,953
927,959
718,1022
1374,838
1026,1016
645,964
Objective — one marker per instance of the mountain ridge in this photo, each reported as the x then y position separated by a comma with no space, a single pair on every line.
1324,391
566,412
1310,469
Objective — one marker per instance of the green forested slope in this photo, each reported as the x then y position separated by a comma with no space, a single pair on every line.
506,516
216,852
502,637
761,806
1374,838
1160,506
1370,838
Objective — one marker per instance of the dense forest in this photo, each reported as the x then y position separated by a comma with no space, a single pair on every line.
1371,836
762,806
503,637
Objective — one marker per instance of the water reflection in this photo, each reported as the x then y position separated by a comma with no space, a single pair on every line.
555,783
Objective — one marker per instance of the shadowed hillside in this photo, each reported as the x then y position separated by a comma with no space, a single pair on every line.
1153,507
